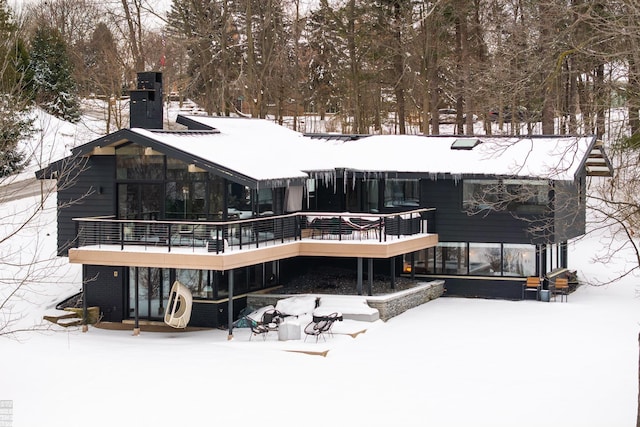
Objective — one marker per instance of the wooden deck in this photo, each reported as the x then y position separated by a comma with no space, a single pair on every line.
200,258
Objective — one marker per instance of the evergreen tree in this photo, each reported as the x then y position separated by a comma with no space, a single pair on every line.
54,88
14,123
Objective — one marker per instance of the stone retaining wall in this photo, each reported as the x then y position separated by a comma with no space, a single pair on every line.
389,305
397,303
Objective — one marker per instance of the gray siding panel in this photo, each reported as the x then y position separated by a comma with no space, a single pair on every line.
455,225
87,190
104,288
570,210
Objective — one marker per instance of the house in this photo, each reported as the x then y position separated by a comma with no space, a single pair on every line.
230,206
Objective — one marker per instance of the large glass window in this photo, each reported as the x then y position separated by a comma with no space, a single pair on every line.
480,194
195,280
526,196
485,259
239,201
153,291
402,193
371,196
265,201
518,260
451,258
216,196
517,195
139,201
136,162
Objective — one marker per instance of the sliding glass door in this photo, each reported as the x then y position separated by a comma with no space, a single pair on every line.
150,287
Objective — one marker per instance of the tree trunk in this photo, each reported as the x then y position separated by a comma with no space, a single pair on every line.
398,65
133,38
356,96
634,94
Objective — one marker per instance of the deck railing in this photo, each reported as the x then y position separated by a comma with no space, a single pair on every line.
223,236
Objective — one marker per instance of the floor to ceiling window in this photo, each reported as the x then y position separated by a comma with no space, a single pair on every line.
150,287
476,259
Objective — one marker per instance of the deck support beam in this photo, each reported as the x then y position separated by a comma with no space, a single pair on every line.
370,275
230,306
393,272
359,285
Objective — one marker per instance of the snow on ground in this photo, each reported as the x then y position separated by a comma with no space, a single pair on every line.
450,362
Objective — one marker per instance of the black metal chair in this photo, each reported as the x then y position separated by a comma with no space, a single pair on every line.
315,329
328,323
257,328
321,325
271,319
269,322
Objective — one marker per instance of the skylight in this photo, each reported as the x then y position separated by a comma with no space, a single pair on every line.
465,143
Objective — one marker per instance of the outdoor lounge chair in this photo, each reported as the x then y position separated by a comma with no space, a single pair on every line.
178,312
561,287
532,285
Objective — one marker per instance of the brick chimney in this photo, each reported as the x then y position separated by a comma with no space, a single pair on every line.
145,110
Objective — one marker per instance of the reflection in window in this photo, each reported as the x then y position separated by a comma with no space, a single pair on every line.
134,162
446,258
451,258
216,196
517,195
239,201
371,196
265,201
195,280
402,193
480,194
526,196
518,260
485,259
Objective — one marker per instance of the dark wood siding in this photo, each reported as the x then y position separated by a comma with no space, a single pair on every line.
454,225
214,314
570,210
87,189
104,288
483,288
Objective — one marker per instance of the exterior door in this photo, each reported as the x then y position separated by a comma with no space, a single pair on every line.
150,287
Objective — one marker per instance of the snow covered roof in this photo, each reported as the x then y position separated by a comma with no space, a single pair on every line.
262,151
271,148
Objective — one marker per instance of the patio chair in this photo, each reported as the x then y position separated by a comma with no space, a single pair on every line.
178,311
561,287
328,321
271,319
532,285
315,329
257,328
269,322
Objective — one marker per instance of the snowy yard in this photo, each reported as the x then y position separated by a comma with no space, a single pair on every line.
451,362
